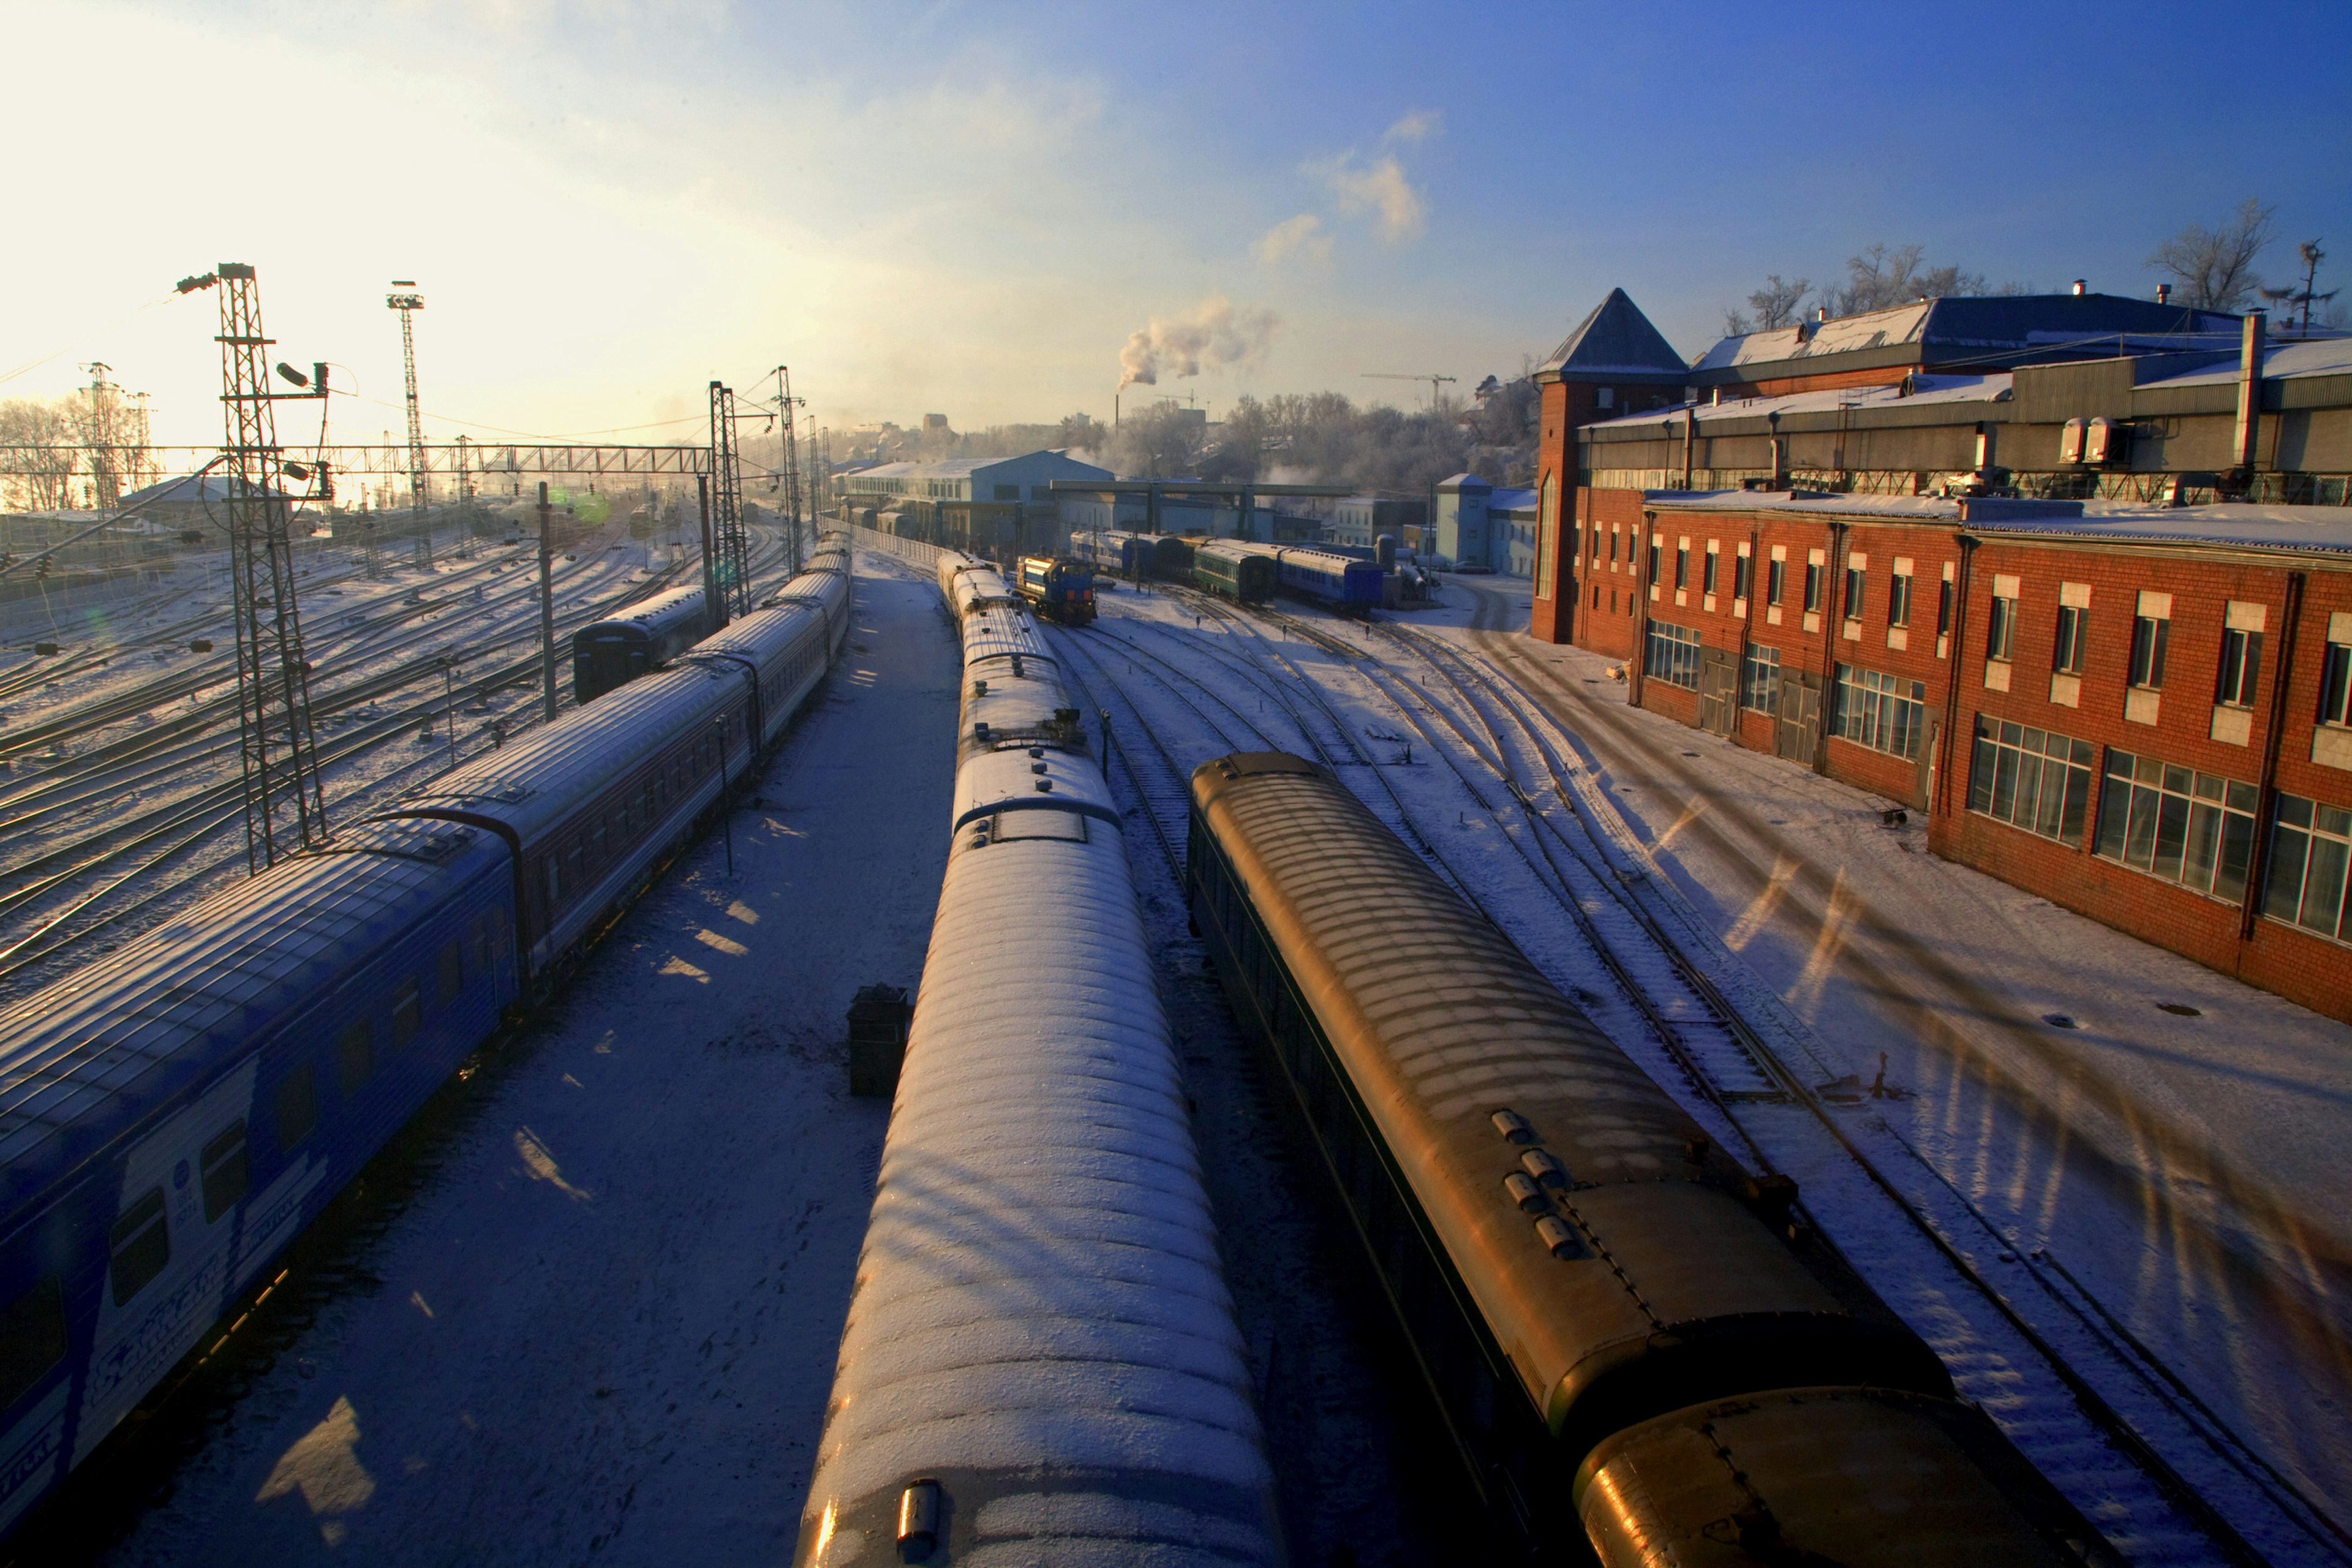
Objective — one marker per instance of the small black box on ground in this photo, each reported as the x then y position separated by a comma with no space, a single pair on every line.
878,1040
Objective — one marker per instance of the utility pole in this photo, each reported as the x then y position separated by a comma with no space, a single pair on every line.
792,466
407,304
546,606
278,746
448,663
714,610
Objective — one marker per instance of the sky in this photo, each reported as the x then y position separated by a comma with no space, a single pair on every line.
998,211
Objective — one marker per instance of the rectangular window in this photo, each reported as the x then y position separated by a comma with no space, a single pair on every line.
2031,779
1885,713
1681,564
1813,586
449,974
1775,581
1944,608
1711,578
2000,626
2311,846
1743,575
2336,684
1673,655
2241,667
1614,534
1898,600
2073,638
2188,828
1759,679
407,1011
32,1339
226,1171
1653,561
297,1105
1857,588
2148,634
355,1055
140,1244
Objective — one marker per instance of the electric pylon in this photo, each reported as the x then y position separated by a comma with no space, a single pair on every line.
789,415
407,304
277,747
726,507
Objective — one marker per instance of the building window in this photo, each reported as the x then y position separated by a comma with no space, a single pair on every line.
1604,397
2147,649
2336,684
2031,779
1759,679
2000,626
1681,564
1885,713
1743,575
2188,828
1944,608
1898,600
1672,655
2241,667
2311,845
2073,638
1813,586
1775,581
1857,585
1546,530
1711,578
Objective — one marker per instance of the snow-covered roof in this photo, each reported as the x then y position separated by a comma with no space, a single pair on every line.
188,490
1924,389
1616,340
2326,530
1501,499
2281,362
1057,459
1954,329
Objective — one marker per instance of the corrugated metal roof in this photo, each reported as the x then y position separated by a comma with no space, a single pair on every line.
1616,338
1951,330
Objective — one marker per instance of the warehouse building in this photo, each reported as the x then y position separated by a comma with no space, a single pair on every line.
988,504
2140,713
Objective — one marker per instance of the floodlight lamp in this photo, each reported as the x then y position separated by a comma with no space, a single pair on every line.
290,374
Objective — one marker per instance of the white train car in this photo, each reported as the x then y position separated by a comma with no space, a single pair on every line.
1041,1362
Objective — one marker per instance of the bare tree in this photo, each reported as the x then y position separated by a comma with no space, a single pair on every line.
1777,302
1880,277
2214,267
40,439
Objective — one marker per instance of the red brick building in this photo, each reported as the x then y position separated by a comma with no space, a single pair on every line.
2144,716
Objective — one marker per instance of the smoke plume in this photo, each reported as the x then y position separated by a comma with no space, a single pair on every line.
1212,334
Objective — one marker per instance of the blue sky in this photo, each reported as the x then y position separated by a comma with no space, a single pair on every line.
973,208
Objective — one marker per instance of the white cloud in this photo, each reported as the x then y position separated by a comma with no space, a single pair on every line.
1302,238
1380,188
1416,125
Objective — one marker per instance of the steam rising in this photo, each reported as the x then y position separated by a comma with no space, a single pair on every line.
1212,334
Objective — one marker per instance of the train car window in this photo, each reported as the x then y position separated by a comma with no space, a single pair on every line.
227,1173
407,1012
553,868
448,974
141,1245
478,941
355,1054
498,919
297,1105
32,1339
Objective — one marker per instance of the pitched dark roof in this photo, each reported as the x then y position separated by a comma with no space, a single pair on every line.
1617,341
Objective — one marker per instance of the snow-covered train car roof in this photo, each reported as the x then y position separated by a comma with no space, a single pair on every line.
1040,1326
88,1059
1010,780
657,613
995,631
535,781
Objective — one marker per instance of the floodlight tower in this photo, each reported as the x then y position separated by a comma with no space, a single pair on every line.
408,303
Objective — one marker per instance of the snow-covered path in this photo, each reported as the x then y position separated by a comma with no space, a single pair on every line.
606,1328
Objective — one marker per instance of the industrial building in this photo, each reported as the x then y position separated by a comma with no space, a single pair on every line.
1361,520
990,504
2140,713
1480,527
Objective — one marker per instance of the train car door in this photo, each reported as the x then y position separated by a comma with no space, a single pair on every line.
168,1250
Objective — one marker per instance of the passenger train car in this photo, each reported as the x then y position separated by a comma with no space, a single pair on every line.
646,636
1234,570
179,1110
1134,555
1643,1352
1041,1362
1349,585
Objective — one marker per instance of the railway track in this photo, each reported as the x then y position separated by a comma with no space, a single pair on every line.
1571,844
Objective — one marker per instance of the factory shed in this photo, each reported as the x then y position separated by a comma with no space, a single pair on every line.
993,505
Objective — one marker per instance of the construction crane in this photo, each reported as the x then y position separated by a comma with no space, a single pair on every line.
1400,375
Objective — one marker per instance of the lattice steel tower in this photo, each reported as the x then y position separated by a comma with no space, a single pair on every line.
284,801
407,304
726,507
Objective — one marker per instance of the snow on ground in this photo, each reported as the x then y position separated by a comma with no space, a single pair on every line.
2185,1169
607,1326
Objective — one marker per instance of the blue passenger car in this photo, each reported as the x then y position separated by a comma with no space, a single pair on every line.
645,637
1349,585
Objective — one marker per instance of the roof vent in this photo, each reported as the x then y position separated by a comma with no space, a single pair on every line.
1821,313
2082,287
2163,293
1514,1127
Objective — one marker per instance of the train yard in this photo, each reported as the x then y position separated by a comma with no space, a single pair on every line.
584,1323
121,801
